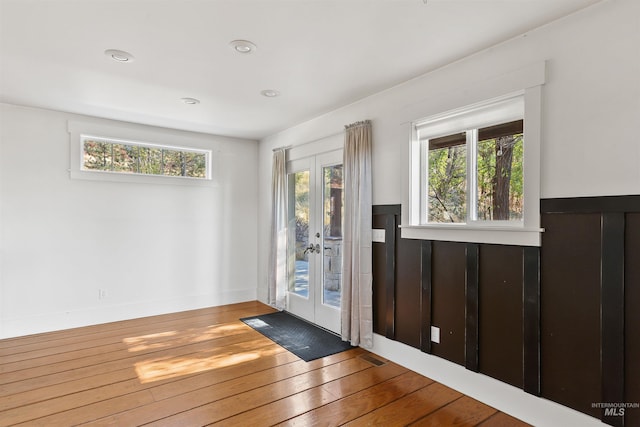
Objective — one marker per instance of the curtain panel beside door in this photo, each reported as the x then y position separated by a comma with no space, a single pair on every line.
278,251
357,278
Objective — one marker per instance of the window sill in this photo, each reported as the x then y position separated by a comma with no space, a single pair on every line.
500,235
140,178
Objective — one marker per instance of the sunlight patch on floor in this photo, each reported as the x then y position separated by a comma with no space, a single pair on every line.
167,339
156,370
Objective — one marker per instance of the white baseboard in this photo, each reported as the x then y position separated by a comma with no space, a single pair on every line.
20,326
502,396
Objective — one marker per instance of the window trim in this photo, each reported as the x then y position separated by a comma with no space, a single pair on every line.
80,131
524,233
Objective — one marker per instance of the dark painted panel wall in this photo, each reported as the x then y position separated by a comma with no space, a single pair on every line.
379,300
408,326
570,310
632,317
448,299
379,284
559,321
501,313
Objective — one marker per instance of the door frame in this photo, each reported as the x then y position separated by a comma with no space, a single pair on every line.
312,308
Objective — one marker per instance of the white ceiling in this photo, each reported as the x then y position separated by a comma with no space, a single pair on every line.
320,54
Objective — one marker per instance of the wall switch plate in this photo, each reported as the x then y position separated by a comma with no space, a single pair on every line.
435,334
377,235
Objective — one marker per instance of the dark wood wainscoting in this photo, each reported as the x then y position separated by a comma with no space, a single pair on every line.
448,303
570,310
501,318
479,296
560,321
632,316
590,298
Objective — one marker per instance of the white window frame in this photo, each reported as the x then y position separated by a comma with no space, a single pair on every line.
524,104
81,131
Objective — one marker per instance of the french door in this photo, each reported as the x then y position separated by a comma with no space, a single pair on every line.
314,242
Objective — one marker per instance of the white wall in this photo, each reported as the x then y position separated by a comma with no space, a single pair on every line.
154,248
591,107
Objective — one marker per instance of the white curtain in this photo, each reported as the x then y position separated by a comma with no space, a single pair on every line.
278,253
357,311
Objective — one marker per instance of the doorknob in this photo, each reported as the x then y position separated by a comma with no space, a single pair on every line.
312,248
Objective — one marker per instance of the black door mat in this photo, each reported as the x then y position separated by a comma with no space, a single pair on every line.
304,339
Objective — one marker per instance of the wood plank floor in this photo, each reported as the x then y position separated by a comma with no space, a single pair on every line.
205,367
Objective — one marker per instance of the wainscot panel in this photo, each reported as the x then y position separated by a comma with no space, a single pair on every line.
408,296
448,299
380,284
570,310
632,318
500,319
560,321
385,219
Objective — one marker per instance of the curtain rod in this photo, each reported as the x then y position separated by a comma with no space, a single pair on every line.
288,147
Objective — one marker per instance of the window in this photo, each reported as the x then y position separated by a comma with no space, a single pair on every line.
475,173
118,156
126,153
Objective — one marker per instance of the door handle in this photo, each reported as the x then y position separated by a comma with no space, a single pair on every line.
312,248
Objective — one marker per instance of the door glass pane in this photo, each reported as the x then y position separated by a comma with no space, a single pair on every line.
299,233
332,234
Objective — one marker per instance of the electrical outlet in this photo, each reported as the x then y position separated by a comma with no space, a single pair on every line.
102,293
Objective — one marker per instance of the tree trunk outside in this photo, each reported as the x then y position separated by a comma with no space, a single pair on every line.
502,177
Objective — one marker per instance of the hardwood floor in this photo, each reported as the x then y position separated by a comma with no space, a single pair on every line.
205,367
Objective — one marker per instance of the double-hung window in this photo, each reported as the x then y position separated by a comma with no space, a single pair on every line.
468,180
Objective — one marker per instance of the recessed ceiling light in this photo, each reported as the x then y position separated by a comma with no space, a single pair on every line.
243,46
119,55
270,93
190,101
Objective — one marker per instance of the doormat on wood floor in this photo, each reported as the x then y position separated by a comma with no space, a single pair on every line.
304,339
